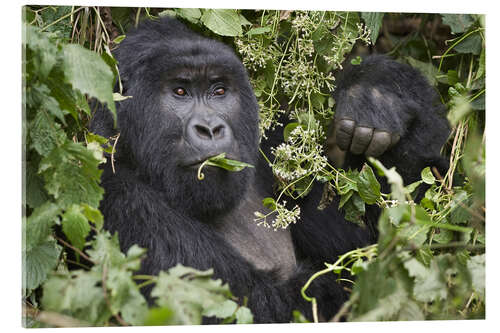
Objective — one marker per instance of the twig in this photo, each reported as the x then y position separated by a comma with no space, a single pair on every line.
113,153
344,309
80,252
52,318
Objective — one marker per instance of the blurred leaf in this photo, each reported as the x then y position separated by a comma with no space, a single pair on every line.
258,31
75,226
458,22
471,44
374,22
476,266
427,176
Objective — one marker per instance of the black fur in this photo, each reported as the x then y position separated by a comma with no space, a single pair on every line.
154,201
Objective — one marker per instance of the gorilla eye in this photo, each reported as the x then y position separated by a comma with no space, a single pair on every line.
219,91
180,91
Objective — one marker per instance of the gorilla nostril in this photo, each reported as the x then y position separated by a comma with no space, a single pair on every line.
203,132
218,132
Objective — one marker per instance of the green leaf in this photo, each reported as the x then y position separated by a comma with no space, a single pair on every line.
269,203
39,261
193,15
427,176
224,22
368,185
244,315
39,224
224,310
159,317
374,22
94,215
258,31
35,192
79,295
426,68
288,129
429,284
458,22
72,176
221,162
192,294
45,51
45,134
355,209
472,44
88,73
75,226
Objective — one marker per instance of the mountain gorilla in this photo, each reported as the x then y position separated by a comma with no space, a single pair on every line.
191,99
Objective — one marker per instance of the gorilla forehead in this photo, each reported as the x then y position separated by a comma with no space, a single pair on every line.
167,45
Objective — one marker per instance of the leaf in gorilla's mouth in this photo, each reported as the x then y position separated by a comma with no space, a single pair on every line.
221,161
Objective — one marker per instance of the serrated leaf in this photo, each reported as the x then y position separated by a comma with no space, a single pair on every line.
94,215
224,22
72,176
39,224
189,293
368,185
35,192
224,310
45,134
429,284
39,261
125,296
45,51
88,73
79,295
75,226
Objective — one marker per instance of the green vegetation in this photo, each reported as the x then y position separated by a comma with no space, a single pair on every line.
429,261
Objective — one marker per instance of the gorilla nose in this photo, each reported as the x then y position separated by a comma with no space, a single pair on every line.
208,132
204,133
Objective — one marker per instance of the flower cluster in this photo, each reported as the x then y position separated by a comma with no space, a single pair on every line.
284,217
301,154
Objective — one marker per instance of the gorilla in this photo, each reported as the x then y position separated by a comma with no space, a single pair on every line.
191,99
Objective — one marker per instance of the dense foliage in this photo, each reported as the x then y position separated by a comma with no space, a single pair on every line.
429,261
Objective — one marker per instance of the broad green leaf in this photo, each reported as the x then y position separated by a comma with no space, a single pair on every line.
39,261
39,224
244,315
426,68
45,134
221,162
354,209
72,176
288,129
79,295
458,22
88,73
471,44
429,284
45,51
75,226
94,215
374,22
35,192
191,294
225,22
125,297
368,185
427,176
159,317
193,15
397,188
224,310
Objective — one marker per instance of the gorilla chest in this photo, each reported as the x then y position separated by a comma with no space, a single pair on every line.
265,248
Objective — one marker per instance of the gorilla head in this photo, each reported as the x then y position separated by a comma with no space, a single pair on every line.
191,99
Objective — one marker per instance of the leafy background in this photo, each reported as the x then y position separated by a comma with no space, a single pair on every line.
429,261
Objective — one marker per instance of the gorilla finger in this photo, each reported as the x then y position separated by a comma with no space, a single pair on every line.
344,130
361,139
381,140
395,139
336,156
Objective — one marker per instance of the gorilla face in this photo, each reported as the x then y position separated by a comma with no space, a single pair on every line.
191,100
